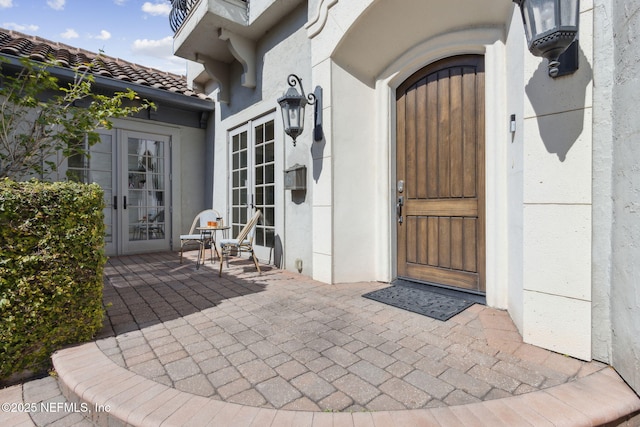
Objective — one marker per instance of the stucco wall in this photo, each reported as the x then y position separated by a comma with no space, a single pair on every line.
625,277
515,167
189,172
557,202
283,50
603,76
359,179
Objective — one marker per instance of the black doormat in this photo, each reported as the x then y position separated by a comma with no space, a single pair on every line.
421,301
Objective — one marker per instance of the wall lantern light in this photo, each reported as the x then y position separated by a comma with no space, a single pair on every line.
292,105
551,27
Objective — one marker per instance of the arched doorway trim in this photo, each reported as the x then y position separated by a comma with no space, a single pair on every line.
490,42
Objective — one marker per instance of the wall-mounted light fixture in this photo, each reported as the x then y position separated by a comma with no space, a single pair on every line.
292,105
551,26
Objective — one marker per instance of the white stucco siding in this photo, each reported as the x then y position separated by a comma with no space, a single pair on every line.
357,173
515,54
557,197
189,173
625,277
557,323
603,74
284,50
383,29
558,250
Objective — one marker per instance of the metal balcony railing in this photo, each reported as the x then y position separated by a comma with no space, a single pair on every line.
180,10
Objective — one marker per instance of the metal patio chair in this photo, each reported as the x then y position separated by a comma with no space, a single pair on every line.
196,238
242,242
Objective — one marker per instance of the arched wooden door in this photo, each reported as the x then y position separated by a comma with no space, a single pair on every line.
440,172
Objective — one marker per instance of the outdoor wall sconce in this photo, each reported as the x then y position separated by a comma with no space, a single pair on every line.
551,27
292,105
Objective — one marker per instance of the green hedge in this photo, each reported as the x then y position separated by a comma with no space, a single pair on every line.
51,265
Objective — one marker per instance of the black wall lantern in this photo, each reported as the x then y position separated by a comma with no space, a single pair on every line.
551,27
292,105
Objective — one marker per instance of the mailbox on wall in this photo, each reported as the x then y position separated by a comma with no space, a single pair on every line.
295,178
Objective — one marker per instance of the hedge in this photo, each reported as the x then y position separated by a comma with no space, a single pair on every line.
51,265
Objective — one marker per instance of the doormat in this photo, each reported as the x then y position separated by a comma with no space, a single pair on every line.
421,301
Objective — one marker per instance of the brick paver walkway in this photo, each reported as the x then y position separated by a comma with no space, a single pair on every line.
280,340
184,347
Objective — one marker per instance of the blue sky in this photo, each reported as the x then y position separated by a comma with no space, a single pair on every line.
134,30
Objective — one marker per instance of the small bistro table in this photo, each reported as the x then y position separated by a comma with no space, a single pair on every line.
209,233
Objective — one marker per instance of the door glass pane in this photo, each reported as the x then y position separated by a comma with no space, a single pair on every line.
259,196
239,181
146,189
253,180
270,196
259,175
265,183
259,132
96,167
270,238
268,131
269,153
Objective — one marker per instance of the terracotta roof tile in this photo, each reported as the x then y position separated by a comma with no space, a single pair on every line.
39,49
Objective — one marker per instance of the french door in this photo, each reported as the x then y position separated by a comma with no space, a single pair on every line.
252,182
132,168
440,172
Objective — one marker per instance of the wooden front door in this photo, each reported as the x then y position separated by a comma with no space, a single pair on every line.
440,172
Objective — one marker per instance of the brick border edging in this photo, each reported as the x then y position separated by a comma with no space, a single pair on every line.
86,375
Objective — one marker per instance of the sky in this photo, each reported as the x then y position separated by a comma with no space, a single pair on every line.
134,30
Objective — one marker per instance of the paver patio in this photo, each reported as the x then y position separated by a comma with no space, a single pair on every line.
282,342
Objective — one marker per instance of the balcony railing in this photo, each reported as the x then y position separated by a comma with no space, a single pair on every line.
180,10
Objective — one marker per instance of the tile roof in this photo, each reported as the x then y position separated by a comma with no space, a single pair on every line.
39,49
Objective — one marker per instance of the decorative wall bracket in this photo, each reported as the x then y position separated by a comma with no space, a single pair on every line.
219,72
244,50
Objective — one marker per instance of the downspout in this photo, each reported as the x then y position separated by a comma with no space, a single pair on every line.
210,138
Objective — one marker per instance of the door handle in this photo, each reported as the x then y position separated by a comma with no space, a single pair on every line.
399,208
124,202
115,202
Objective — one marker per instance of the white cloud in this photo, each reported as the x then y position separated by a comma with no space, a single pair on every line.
162,48
119,2
157,9
104,35
161,54
69,34
6,4
56,4
18,27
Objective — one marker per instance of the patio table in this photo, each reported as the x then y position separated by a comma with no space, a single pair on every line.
209,233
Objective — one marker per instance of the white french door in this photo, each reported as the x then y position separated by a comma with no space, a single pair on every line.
252,182
132,168
143,212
